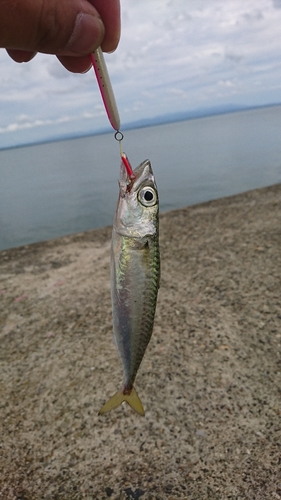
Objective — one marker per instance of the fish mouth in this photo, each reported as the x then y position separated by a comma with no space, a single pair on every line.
141,173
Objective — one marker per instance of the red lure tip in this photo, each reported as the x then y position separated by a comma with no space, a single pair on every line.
128,167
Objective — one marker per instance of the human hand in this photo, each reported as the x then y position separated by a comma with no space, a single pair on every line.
70,29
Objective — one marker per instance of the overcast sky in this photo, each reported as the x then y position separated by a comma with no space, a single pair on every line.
174,55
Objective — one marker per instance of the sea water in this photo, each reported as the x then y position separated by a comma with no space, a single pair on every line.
65,187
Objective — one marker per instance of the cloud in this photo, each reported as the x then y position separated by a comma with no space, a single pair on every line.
24,122
253,16
226,83
233,57
55,69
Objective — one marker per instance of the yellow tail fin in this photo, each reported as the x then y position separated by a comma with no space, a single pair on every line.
132,399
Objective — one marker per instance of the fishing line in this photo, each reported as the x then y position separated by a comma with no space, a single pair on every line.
119,137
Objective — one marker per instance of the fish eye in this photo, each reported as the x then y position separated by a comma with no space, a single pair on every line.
147,196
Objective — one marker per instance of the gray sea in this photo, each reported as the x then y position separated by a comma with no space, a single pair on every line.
64,187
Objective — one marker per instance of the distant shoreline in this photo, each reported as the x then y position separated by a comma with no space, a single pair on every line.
151,122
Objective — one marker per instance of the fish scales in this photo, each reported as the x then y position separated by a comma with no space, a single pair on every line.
135,295
135,271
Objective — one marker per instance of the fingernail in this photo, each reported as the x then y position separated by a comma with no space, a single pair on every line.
86,36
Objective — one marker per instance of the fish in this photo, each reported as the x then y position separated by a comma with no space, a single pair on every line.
135,275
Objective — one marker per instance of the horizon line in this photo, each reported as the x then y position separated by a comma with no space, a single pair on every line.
174,117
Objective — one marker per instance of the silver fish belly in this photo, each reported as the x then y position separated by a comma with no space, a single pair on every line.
135,273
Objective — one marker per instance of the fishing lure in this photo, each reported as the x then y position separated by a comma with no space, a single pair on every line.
105,87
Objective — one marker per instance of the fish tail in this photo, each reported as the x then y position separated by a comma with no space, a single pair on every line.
119,397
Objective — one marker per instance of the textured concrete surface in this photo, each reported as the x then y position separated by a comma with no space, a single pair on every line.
210,381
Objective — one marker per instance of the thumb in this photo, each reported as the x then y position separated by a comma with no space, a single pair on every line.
61,27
